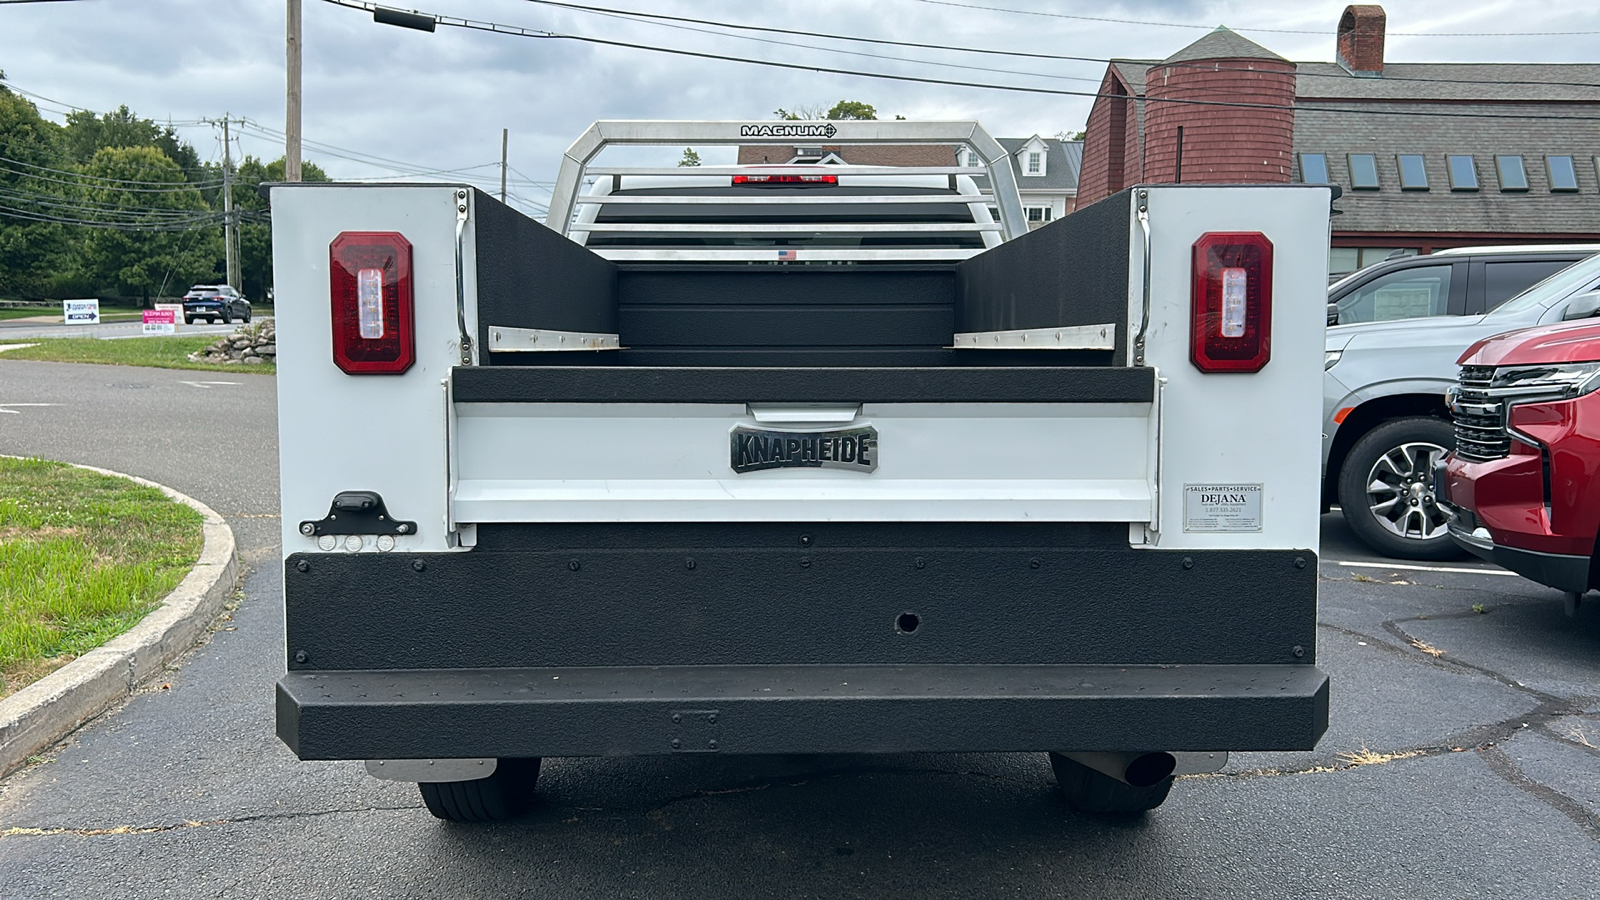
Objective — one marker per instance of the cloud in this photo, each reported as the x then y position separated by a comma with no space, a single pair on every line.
438,101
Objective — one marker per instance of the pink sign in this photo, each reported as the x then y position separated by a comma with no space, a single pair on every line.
160,321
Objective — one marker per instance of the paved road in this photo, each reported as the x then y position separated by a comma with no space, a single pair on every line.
15,330
186,792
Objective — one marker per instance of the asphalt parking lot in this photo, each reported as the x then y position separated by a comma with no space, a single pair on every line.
1463,757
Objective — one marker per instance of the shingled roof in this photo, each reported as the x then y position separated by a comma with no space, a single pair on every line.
1406,129
1482,110
1062,163
1223,43
1456,82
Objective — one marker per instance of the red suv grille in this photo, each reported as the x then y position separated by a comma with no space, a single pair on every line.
1480,417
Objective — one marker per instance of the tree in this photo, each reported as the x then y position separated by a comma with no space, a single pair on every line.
87,134
255,220
165,234
810,111
690,158
852,109
32,252
844,109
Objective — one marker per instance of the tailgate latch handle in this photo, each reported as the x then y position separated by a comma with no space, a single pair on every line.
357,512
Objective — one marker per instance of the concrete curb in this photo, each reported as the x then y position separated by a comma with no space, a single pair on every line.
63,701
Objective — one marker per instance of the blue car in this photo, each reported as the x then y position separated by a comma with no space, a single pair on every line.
213,302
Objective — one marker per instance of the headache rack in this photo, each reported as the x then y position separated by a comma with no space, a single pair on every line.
885,200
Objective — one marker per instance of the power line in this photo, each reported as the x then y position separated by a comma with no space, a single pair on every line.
7,85
98,178
1388,79
35,216
626,15
519,31
58,202
178,187
1055,15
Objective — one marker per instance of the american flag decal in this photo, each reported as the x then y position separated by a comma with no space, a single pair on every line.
787,254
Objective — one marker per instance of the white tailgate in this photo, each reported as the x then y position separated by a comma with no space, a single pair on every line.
619,462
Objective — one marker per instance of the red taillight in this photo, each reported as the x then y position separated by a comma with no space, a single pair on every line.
370,284
1230,304
785,179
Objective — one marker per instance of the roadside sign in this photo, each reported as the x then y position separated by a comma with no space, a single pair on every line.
160,321
177,312
80,312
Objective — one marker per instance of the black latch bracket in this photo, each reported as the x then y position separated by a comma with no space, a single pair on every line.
357,512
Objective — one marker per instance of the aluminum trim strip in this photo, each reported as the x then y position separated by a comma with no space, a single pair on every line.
505,339
1066,337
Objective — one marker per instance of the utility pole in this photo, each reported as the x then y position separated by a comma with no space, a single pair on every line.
291,126
505,134
230,224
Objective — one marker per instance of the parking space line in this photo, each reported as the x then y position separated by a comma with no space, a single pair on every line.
5,407
1464,571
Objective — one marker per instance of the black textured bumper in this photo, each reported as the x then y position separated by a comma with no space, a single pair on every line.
798,709
586,640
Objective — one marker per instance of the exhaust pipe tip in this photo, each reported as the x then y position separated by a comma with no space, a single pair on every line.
1136,769
1149,768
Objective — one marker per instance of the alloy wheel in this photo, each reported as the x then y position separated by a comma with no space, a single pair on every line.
1400,492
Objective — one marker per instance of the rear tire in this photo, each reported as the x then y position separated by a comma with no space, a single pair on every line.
1388,468
505,794
227,318
1094,792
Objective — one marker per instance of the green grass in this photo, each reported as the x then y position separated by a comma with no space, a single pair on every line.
29,312
83,557
160,352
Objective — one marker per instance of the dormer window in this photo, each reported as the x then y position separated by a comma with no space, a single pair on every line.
1035,163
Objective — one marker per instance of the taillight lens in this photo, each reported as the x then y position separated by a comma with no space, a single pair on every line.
785,179
370,285
1230,305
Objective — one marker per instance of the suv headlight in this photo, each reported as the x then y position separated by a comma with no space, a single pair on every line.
1554,382
1329,357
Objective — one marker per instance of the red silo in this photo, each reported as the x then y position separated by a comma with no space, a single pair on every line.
1251,142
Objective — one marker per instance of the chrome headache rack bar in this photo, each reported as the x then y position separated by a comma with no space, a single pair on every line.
609,133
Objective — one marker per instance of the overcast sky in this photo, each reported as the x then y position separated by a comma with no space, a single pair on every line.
438,101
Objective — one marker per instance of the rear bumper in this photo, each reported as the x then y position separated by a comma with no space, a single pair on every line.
563,639
798,709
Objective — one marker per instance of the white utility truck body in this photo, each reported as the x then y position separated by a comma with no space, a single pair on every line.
784,464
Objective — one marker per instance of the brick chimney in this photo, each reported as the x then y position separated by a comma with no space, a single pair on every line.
1360,48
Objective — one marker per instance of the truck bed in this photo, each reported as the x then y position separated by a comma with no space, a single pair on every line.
793,313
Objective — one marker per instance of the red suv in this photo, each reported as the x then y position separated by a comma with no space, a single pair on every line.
1522,481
